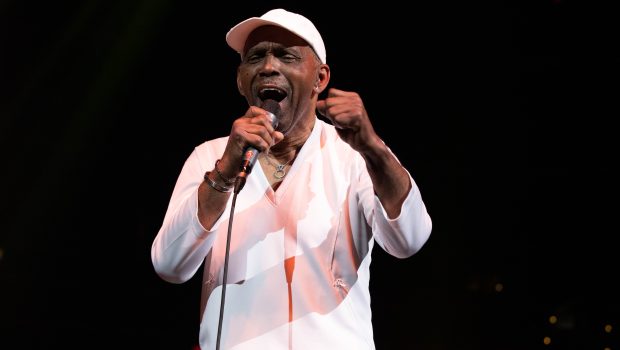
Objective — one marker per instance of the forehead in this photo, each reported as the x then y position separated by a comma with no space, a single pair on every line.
273,34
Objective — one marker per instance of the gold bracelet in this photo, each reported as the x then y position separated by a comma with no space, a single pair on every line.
214,185
226,180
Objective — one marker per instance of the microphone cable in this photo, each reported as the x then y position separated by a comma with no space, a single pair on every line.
250,157
225,277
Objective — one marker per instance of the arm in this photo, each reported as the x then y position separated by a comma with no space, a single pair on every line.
391,199
195,208
182,242
400,236
346,111
254,128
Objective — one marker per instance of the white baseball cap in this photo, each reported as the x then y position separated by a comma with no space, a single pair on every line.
293,22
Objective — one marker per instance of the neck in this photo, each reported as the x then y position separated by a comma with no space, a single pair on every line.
282,157
287,149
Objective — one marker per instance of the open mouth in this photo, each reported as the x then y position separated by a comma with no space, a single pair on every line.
271,93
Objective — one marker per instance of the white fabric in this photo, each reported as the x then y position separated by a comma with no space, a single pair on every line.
323,219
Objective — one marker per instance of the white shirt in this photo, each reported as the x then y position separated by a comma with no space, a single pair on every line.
318,228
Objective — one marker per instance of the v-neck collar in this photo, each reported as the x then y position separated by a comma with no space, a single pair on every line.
276,196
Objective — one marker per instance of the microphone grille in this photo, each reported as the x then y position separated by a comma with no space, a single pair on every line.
273,107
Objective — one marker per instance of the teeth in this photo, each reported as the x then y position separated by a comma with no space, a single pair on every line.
272,93
269,89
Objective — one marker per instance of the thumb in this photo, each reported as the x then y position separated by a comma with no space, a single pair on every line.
277,137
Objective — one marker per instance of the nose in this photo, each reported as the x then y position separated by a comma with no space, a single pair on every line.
269,66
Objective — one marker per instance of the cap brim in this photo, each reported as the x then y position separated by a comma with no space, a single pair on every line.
238,34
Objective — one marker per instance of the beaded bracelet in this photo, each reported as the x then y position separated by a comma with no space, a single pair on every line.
226,180
215,185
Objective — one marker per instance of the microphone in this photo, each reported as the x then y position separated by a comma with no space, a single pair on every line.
251,154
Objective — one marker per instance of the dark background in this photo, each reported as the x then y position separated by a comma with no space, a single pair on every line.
502,111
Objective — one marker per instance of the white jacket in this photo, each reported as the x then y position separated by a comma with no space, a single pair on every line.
321,224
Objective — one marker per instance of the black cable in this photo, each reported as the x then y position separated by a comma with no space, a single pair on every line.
250,155
239,183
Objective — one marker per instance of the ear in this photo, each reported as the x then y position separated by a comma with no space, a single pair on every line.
322,79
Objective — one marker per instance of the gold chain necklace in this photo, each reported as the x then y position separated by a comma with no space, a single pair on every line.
280,172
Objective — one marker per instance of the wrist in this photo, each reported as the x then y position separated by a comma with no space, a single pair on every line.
215,182
228,180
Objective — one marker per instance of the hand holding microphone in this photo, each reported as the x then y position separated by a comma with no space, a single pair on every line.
250,153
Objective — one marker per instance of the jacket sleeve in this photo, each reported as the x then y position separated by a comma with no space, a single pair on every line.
404,235
182,242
